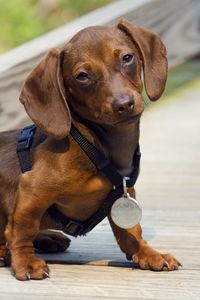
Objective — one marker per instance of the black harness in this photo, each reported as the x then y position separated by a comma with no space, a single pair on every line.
70,226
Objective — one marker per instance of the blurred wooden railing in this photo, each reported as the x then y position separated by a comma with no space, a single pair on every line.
176,21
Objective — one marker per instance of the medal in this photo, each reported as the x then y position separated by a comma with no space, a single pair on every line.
126,211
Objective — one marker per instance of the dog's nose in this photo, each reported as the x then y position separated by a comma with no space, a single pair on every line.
123,104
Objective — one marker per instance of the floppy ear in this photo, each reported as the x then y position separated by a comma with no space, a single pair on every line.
154,57
43,96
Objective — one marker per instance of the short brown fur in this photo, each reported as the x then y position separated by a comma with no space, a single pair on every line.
95,82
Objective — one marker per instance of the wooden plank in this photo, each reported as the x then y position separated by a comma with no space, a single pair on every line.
89,282
176,170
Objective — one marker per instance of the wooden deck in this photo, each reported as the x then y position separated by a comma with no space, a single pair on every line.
169,189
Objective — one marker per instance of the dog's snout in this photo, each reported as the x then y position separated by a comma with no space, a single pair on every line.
123,104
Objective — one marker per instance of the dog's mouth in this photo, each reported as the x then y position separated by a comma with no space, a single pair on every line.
129,119
110,120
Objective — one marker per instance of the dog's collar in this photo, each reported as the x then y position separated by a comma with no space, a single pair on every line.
102,164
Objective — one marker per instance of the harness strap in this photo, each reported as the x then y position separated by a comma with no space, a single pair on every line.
70,226
23,147
102,163
76,228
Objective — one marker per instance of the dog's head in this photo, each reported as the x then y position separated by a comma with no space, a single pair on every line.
97,74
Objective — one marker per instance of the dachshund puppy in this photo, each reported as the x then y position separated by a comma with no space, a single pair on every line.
94,82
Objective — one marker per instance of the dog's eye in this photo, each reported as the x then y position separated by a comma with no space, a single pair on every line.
127,58
82,77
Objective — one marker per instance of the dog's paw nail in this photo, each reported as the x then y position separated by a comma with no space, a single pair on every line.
179,264
28,275
166,264
46,275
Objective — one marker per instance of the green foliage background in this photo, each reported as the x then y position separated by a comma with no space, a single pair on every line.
23,20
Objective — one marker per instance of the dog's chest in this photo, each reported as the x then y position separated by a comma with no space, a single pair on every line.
84,198
83,187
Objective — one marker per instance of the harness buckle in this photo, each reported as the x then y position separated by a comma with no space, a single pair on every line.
26,137
74,228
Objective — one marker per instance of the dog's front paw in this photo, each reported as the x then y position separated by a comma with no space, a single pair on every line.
150,259
30,268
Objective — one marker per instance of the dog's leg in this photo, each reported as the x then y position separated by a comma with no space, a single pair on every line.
49,241
23,227
138,250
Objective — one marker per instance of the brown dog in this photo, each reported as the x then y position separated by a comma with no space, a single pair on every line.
94,81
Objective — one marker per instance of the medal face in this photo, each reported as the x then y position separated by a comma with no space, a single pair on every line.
126,212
